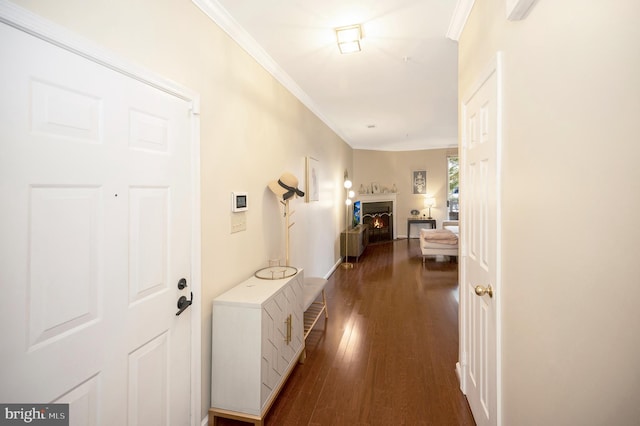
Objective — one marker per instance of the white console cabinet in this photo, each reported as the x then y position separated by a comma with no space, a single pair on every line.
257,338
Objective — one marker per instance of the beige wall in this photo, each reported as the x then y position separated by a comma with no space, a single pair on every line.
390,167
571,182
252,130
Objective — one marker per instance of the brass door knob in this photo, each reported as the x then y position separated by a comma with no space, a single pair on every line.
481,291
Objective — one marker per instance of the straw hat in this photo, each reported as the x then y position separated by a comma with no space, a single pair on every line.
286,187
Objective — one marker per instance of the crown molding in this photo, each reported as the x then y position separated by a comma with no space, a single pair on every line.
459,19
519,9
221,17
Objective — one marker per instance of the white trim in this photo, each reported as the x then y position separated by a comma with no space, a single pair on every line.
196,268
499,286
459,375
462,257
218,14
459,19
333,269
43,29
485,75
519,9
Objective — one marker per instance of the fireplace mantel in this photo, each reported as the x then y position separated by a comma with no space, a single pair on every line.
372,198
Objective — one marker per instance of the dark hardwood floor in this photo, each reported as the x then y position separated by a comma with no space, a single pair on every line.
387,353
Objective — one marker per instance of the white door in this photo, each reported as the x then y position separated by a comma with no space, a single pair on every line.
95,236
480,289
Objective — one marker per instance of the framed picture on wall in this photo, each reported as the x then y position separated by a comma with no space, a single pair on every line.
312,184
419,182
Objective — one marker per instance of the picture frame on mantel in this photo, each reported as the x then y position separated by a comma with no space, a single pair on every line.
375,188
419,181
312,184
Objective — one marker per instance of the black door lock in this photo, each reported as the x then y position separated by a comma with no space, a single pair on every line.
182,283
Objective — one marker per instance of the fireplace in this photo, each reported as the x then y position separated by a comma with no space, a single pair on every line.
379,216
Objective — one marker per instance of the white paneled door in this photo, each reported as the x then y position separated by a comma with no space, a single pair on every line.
480,289
96,234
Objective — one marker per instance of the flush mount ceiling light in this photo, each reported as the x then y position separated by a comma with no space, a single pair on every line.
349,38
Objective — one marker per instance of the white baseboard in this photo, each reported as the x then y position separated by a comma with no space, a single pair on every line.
459,374
333,269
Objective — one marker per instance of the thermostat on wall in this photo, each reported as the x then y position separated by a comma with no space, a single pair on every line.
239,201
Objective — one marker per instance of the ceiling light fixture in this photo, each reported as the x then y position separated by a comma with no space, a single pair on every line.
349,38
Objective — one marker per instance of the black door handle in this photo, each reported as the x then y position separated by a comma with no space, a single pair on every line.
183,303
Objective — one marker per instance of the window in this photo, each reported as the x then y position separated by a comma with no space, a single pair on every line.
453,169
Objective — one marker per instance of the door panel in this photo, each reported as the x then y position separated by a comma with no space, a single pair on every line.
481,263
96,168
148,239
83,403
63,251
148,383
62,112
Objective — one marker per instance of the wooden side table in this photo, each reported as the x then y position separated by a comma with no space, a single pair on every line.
431,222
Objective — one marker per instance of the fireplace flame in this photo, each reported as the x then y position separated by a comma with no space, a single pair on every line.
377,223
